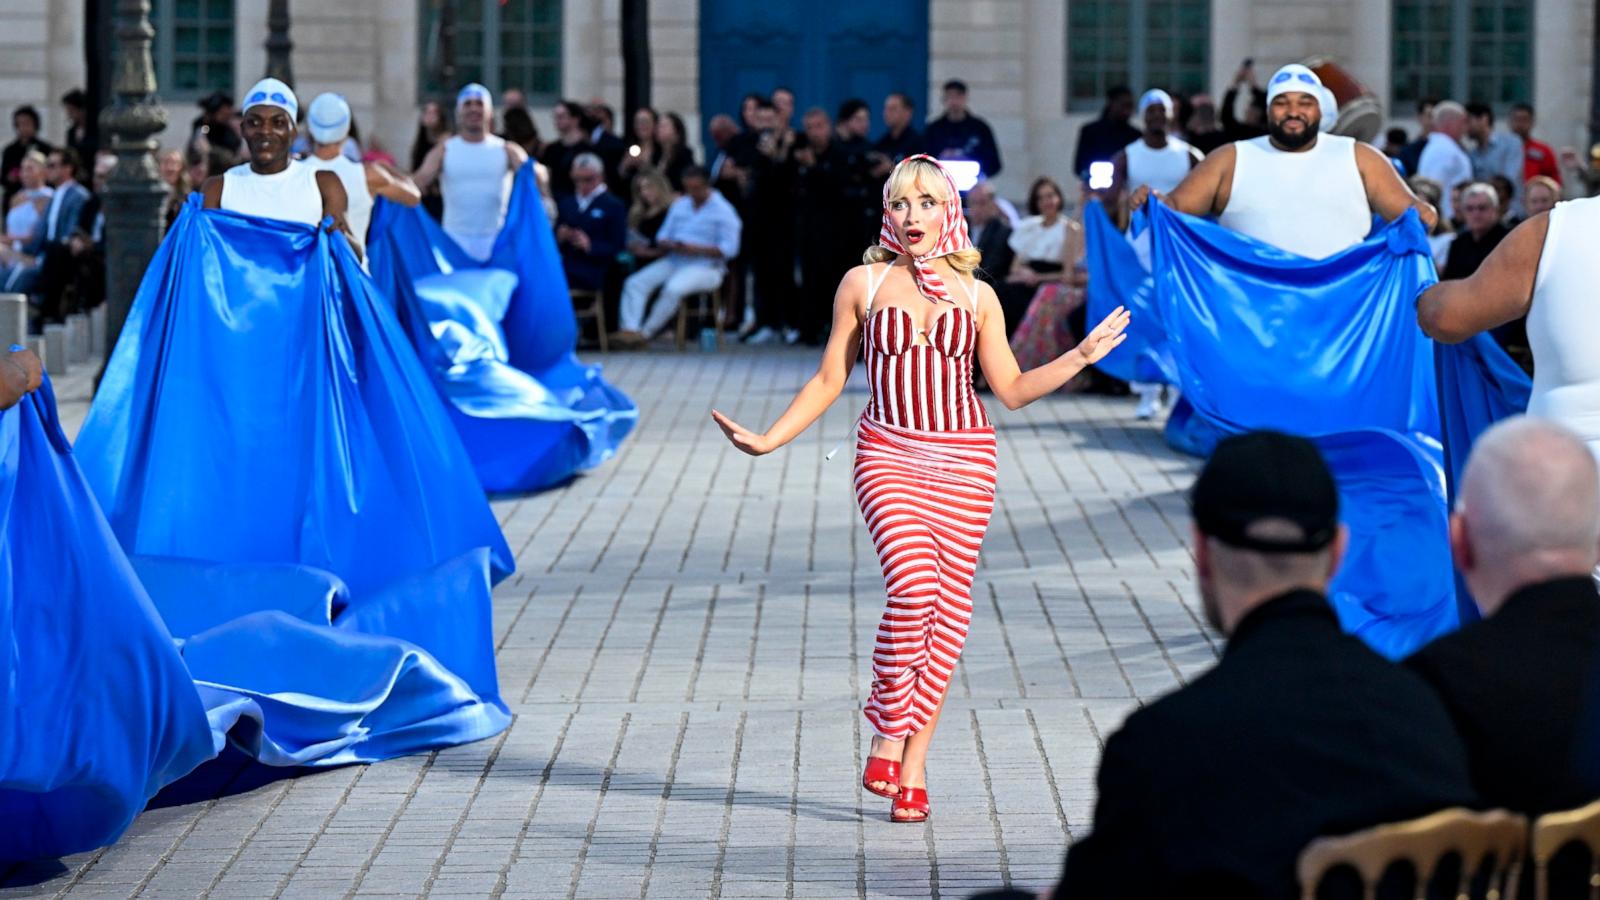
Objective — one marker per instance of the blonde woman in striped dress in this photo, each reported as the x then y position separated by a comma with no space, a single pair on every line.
925,453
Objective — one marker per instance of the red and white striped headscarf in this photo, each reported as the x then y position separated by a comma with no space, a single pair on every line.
953,235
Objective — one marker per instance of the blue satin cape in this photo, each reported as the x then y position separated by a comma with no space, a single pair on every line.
97,711
1262,338
295,503
497,340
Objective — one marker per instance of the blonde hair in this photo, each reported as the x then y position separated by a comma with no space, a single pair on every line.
922,176
641,210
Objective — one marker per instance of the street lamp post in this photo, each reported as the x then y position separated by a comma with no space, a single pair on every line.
135,194
278,42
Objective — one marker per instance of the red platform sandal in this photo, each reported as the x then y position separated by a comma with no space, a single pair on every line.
911,799
880,769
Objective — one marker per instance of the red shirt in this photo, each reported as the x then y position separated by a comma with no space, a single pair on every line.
1539,159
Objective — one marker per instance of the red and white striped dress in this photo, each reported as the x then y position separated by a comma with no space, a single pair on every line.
925,480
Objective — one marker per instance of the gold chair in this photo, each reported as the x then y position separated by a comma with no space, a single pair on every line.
1552,831
587,304
1424,843
708,305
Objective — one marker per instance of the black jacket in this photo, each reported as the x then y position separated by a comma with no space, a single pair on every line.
1100,140
1516,686
1299,731
994,242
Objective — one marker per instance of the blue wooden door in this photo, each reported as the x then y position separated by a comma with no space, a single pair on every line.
826,51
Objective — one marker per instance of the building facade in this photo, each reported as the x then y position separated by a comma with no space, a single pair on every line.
1036,68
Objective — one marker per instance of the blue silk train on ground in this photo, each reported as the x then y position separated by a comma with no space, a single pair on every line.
498,340
311,554
1261,338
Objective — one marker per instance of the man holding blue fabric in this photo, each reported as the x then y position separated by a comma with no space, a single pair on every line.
271,185
1311,194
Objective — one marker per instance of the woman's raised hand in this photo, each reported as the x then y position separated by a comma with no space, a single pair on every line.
742,437
1105,337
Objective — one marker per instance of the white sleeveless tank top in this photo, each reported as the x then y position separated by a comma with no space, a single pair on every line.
291,195
1564,322
1313,203
353,175
1163,168
476,183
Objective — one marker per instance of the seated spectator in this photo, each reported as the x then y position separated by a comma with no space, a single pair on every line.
1526,538
1540,194
1299,731
1504,191
25,122
1443,232
46,252
1046,330
990,232
591,225
1482,231
652,197
1037,242
28,203
174,174
672,148
700,235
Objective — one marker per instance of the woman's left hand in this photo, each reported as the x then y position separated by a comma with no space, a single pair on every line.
1105,337
741,437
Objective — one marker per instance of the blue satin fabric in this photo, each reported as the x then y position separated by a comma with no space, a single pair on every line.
1262,338
300,510
97,711
498,342
1478,386
262,405
1117,277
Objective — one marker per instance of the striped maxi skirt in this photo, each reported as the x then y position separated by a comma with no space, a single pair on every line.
926,497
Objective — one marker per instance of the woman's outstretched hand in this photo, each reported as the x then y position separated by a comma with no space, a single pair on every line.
742,437
1105,337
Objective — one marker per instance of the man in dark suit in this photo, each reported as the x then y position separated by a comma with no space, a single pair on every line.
608,146
990,232
1526,537
1299,731
591,225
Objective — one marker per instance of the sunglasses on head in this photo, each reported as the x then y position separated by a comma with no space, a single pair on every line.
1281,77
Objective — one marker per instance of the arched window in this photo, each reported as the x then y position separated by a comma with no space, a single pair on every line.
501,44
1139,43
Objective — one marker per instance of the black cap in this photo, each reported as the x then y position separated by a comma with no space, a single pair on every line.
1266,475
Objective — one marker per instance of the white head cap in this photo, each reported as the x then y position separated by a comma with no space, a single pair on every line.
328,119
1294,77
272,92
1155,97
474,91
1330,108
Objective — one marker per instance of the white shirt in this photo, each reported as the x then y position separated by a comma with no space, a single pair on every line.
1311,203
714,223
1444,161
1033,239
1162,168
1564,323
476,183
359,202
290,196
585,199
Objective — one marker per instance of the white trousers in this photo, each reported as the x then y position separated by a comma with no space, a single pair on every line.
676,279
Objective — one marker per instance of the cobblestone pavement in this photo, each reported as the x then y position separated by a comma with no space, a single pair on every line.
685,645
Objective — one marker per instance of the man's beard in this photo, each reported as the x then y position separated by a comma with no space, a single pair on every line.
1292,140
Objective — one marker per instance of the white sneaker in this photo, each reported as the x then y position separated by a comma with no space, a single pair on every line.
762,335
1151,400
791,336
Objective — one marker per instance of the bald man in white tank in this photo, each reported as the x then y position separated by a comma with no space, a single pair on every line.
474,169
272,185
1308,193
